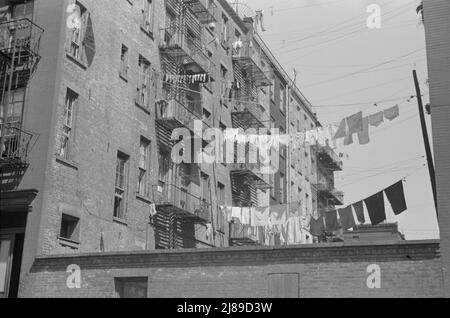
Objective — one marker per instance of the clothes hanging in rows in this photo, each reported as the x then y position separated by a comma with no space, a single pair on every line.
347,218
392,113
245,219
376,120
228,213
236,212
342,130
294,208
359,211
396,196
363,136
153,211
355,125
317,228
376,209
277,215
331,221
260,216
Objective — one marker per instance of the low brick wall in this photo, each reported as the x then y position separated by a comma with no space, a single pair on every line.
407,269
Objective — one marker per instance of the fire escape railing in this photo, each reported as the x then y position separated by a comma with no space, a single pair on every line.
170,198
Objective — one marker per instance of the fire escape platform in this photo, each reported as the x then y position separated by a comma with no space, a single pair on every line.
249,170
174,200
253,70
240,236
168,208
328,158
245,119
203,14
335,197
176,45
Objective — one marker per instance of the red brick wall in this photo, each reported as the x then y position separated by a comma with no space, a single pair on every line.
437,28
408,269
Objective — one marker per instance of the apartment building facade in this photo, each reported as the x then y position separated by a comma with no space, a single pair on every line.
115,80
437,28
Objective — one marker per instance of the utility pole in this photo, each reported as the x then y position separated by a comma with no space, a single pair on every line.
426,140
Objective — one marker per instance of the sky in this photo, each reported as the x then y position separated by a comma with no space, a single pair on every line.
344,67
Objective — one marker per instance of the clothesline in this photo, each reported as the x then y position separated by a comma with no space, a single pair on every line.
290,223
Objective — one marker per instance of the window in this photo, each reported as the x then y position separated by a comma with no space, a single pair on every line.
14,112
222,202
124,61
207,117
283,148
5,263
131,287
224,30
272,184
164,162
69,228
282,98
143,88
120,188
77,36
206,190
147,16
272,88
282,194
68,125
223,129
143,169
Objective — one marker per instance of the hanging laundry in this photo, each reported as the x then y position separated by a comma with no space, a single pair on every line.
377,119
375,207
348,140
283,230
342,130
245,220
346,217
396,196
278,214
355,125
209,231
291,230
331,221
259,216
363,136
294,208
317,227
236,212
153,211
392,113
227,212
259,20
298,231
359,211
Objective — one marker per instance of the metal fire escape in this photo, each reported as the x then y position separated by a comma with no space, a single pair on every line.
19,47
247,113
183,54
327,163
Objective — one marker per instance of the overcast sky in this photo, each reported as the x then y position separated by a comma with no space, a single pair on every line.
344,67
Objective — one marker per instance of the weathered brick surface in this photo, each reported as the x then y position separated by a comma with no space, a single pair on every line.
408,269
437,28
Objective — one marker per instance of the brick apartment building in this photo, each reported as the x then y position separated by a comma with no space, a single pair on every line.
87,132
437,29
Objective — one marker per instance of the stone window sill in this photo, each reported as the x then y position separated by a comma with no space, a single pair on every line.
68,163
69,243
77,61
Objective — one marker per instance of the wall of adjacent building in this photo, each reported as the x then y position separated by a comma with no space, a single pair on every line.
437,30
407,269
